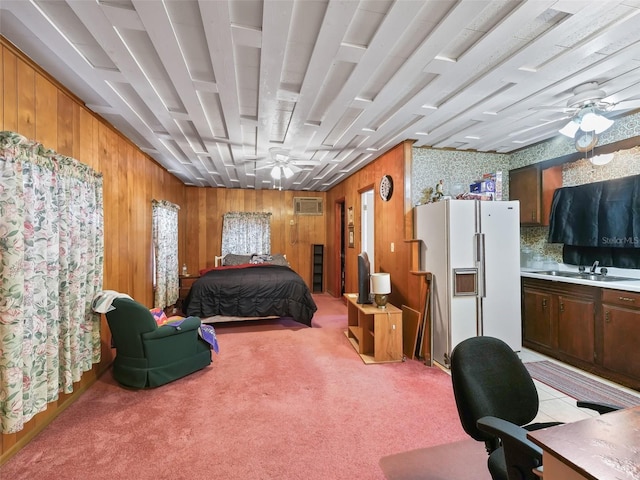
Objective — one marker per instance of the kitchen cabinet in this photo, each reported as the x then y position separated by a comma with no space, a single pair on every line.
537,326
559,319
621,332
576,326
595,329
533,186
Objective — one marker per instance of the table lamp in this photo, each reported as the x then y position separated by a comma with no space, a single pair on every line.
381,288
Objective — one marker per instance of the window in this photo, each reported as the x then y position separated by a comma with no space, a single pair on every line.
165,252
245,233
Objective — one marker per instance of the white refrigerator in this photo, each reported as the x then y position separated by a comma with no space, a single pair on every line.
472,249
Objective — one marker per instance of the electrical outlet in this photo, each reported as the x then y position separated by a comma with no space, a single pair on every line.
393,247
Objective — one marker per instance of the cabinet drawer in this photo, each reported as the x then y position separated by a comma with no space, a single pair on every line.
620,297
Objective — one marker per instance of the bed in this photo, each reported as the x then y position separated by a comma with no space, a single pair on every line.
255,290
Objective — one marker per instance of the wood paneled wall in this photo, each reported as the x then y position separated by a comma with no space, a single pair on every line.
36,106
203,209
39,108
393,224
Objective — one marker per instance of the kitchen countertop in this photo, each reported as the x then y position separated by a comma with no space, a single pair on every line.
632,285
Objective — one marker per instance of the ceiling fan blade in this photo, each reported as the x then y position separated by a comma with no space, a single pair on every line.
303,162
626,105
534,127
555,109
265,167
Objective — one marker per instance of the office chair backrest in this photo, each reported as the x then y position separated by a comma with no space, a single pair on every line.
489,379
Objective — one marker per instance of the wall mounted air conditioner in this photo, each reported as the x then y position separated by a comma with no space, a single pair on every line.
307,206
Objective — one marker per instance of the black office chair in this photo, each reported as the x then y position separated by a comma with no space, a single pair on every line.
496,400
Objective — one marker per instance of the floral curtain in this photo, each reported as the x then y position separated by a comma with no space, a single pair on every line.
51,258
165,246
244,233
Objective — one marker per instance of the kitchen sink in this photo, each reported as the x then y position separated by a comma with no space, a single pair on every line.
599,277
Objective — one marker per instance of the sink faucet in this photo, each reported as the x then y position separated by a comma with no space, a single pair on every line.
594,266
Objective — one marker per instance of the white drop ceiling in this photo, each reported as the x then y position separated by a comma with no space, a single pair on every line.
208,87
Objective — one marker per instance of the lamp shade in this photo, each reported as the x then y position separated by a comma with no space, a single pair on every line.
588,120
602,159
594,122
570,129
380,283
276,173
288,173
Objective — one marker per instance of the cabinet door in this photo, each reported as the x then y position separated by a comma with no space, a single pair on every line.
620,340
534,188
576,326
524,185
537,318
550,182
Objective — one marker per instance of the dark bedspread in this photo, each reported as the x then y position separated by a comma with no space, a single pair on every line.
251,291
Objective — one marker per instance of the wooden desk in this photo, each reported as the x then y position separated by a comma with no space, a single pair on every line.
375,333
605,447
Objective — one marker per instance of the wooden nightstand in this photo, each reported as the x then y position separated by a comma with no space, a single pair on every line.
185,282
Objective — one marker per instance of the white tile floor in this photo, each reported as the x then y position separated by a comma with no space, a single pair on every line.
556,406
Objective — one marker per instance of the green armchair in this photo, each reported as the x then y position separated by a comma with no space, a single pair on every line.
148,355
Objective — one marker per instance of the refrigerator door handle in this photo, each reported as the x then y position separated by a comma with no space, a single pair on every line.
480,257
482,281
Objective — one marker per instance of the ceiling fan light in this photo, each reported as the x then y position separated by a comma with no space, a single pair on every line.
570,129
288,173
602,159
594,122
275,173
603,124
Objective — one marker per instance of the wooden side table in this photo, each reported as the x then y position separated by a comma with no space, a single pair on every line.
185,282
375,333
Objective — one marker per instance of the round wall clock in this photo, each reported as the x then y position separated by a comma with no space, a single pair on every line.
585,141
386,188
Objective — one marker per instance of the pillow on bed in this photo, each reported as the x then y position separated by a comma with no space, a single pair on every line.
260,258
277,259
233,259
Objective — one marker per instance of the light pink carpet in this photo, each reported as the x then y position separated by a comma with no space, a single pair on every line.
462,460
280,401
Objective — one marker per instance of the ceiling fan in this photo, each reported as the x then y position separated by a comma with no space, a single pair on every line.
587,111
590,95
282,164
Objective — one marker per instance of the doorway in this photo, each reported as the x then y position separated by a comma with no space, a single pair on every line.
340,258
368,226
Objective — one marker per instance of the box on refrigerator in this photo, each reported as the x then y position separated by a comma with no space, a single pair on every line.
483,186
490,185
